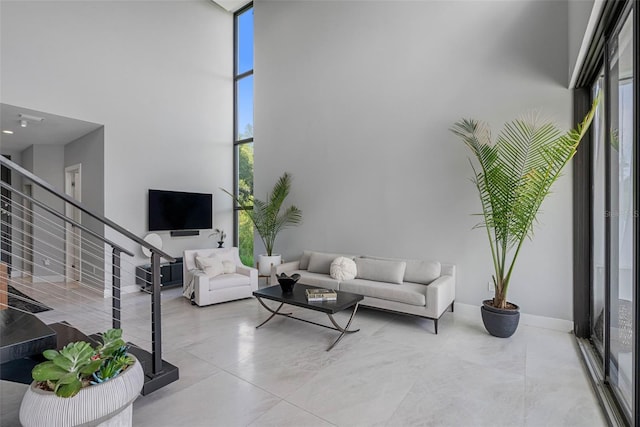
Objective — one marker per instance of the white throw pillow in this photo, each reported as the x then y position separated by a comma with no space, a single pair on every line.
211,266
228,266
343,269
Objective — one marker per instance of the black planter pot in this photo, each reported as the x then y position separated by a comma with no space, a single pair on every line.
499,322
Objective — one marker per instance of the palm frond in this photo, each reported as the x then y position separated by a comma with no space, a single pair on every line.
513,176
266,215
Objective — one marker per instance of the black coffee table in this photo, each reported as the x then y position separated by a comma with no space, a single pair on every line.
299,298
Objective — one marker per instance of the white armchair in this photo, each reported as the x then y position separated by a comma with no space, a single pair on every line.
221,288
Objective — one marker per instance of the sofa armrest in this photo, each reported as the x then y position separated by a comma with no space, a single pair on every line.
286,267
251,272
440,294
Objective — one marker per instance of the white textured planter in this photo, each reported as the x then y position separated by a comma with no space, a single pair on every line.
106,404
265,262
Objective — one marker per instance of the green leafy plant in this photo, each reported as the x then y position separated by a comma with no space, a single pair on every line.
268,217
513,176
112,365
67,371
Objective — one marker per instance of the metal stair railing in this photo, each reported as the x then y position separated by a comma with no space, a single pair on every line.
50,226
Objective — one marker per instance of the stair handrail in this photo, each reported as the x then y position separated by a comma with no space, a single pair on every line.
45,185
65,218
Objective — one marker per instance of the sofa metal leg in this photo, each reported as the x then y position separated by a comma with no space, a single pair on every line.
435,323
452,303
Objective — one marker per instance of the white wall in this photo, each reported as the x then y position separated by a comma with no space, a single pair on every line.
356,99
47,162
158,75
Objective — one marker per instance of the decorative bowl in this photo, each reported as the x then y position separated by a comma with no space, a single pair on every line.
287,282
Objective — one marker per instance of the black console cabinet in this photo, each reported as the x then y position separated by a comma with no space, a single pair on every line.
170,275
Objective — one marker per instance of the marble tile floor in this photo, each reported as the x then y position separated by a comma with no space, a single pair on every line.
394,372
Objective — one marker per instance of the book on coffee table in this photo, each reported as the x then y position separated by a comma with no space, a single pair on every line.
320,294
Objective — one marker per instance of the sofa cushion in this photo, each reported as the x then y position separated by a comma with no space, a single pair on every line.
304,260
407,293
320,262
417,271
316,279
232,280
343,268
211,266
380,270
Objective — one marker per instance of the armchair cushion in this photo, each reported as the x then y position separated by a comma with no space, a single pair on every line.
211,266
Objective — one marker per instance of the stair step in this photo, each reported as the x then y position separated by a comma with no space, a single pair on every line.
23,335
65,334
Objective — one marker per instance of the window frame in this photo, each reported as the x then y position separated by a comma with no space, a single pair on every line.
237,142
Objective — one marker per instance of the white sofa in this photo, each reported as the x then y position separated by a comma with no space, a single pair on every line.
225,287
415,287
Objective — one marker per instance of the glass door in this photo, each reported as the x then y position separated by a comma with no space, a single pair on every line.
621,152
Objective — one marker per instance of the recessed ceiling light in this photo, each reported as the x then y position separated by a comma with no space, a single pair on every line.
8,132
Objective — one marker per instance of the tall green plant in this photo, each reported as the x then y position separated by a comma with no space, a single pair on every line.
513,176
269,217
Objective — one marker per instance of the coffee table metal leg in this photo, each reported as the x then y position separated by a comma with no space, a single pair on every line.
344,330
273,313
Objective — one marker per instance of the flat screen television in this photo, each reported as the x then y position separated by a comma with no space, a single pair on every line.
176,210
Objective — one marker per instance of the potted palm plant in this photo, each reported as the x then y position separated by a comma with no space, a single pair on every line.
513,175
270,218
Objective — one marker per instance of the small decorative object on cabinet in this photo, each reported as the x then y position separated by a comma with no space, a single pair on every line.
221,236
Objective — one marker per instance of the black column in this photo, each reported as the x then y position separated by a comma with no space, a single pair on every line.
582,213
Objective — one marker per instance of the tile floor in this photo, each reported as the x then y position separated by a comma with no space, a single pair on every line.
394,372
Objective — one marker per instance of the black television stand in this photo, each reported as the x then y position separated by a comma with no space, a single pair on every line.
170,275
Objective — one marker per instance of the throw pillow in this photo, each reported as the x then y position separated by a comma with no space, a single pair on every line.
380,270
228,266
210,266
343,268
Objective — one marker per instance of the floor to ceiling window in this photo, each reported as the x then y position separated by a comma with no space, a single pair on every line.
243,130
620,193
610,344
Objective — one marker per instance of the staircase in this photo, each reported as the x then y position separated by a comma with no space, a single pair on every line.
61,280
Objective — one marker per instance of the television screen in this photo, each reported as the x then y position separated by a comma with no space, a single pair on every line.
176,210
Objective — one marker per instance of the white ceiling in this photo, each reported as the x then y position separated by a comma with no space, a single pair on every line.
54,130
231,5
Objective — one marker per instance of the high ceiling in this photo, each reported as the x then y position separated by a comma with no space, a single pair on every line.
54,130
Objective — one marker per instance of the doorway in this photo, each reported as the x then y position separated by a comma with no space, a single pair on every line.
73,188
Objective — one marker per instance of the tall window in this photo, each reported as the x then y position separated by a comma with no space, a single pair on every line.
243,129
611,287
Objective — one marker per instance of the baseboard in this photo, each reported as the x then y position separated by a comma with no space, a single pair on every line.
42,279
525,319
